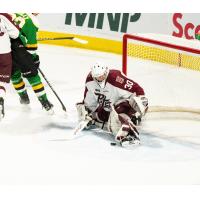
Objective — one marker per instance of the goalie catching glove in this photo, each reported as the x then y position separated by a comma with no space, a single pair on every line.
140,105
83,114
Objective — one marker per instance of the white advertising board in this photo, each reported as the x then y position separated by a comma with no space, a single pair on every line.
114,25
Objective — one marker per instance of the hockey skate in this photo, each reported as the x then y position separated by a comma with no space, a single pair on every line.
48,106
129,140
24,99
126,139
1,108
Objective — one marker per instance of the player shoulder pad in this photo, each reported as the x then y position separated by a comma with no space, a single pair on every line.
112,76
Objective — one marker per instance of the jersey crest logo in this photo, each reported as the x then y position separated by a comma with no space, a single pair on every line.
119,79
101,99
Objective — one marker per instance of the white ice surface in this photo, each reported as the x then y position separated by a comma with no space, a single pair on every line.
34,147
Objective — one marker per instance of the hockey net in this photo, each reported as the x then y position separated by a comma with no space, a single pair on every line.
168,69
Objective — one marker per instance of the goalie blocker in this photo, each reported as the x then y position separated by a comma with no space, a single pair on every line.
113,102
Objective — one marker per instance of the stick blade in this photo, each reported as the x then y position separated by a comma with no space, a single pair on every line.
80,126
80,40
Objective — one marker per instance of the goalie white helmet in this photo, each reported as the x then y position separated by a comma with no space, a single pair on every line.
99,73
98,70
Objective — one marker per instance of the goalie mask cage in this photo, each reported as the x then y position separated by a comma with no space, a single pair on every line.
177,52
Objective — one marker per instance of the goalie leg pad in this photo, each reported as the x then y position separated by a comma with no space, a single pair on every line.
121,126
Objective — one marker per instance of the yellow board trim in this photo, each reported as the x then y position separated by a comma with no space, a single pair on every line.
98,44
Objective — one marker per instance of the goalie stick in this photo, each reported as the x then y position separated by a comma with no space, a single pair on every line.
65,38
81,125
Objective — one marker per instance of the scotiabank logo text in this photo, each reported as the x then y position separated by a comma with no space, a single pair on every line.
188,30
117,22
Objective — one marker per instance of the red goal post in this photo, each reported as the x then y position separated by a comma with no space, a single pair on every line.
161,51
175,52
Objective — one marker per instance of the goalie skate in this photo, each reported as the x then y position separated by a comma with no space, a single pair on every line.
129,141
130,138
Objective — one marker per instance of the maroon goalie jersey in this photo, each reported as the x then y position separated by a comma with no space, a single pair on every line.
117,87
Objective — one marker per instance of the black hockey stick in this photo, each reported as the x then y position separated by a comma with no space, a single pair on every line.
65,38
63,106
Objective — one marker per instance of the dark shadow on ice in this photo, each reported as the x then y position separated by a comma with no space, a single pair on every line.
53,125
101,134
146,139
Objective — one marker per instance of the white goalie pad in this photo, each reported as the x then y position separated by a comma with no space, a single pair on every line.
121,133
114,123
116,128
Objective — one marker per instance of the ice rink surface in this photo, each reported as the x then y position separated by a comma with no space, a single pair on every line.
35,148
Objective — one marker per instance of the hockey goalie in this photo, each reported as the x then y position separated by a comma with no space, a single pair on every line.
114,102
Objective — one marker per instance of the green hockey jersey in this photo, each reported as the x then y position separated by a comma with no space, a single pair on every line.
28,29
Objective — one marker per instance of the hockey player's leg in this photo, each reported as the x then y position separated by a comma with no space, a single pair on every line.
38,88
20,87
5,74
2,96
2,113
